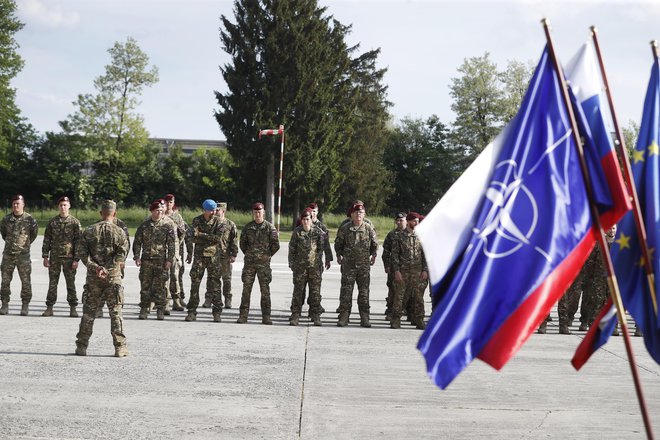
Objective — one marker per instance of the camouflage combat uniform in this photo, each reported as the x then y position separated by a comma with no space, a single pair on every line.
18,233
306,261
61,238
355,245
259,242
175,288
387,263
228,248
408,258
206,239
105,245
154,244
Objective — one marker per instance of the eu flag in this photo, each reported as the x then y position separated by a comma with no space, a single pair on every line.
626,251
531,233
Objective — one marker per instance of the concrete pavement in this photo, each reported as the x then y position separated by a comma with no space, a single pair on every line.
231,381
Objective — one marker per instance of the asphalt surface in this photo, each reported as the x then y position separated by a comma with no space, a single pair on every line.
224,380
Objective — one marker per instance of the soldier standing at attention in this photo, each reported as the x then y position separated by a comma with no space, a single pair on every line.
306,261
206,239
356,247
227,253
61,240
410,274
400,225
154,250
175,288
103,250
19,230
259,242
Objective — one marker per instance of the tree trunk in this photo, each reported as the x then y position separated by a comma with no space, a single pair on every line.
296,209
270,189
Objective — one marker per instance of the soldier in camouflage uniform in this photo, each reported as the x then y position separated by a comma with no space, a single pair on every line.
206,238
356,246
410,274
154,251
227,253
175,288
103,250
306,261
61,239
19,230
400,225
259,242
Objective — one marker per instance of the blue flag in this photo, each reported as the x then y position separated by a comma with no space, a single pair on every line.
626,251
528,237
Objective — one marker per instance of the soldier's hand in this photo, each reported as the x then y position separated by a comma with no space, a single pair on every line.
74,265
327,265
168,265
373,259
101,272
339,258
46,262
398,277
424,275
122,265
189,259
232,259
387,269
138,262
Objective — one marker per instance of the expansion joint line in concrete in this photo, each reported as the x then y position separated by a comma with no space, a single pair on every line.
302,387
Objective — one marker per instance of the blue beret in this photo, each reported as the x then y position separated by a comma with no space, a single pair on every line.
209,205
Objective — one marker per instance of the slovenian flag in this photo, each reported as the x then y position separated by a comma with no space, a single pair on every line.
597,336
508,238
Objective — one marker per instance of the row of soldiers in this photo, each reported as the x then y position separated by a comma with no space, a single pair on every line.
211,241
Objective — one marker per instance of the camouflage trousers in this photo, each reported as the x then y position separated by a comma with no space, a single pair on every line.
174,290
251,270
302,277
390,292
351,275
409,291
225,273
153,283
98,292
591,283
210,265
57,266
182,270
22,263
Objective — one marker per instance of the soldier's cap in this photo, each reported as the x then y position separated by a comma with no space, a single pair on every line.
421,217
209,205
109,205
257,206
169,197
356,207
412,216
399,215
313,206
222,205
63,199
17,197
307,212
155,204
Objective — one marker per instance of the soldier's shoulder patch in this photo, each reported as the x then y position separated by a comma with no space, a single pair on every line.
273,233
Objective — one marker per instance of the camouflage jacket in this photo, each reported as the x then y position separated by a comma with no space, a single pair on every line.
229,234
155,240
61,238
103,244
306,248
356,244
387,247
205,236
407,252
259,242
18,233
327,249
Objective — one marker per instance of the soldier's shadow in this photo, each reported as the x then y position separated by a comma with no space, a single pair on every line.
30,353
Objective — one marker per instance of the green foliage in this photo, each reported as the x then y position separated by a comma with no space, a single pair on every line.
291,66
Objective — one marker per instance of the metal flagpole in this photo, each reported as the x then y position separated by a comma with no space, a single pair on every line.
611,278
271,132
627,171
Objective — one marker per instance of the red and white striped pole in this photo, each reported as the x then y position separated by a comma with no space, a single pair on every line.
274,132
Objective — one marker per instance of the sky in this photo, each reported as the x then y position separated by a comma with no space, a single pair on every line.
64,44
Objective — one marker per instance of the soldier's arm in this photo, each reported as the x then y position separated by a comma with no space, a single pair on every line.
274,241
327,249
84,254
171,243
243,242
395,255
137,243
233,241
373,247
45,247
387,251
292,249
121,250
339,244
77,236
34,229
3,228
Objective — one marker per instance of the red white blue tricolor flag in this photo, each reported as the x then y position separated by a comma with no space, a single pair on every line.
508,238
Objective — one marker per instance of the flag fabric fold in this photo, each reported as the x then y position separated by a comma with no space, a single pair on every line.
626,250
597,336
527,240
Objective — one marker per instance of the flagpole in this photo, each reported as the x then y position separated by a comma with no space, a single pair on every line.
627,170
611,278
279,195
